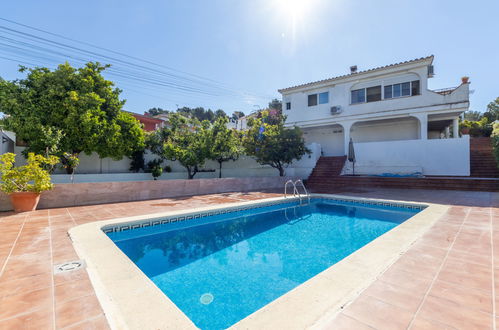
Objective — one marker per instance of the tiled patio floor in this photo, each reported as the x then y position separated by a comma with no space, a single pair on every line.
31,296
448,279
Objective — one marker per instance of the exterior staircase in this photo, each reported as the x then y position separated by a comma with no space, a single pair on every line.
482,161
326,176
326,168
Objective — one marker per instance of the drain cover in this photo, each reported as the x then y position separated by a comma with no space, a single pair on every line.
69,266
206,298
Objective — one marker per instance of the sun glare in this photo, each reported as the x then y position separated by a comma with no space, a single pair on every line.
295,14
295,9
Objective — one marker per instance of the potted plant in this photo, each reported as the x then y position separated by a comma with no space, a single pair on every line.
465,79
24,184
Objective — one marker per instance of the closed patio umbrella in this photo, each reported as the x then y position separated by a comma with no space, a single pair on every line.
351,155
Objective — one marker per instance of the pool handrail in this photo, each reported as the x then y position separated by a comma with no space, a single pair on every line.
300,182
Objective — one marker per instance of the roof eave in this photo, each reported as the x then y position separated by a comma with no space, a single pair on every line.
428,59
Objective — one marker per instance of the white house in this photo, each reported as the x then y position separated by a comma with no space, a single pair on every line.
241,123
397,124
8,141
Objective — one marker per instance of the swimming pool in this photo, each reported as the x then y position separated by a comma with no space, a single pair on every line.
220,268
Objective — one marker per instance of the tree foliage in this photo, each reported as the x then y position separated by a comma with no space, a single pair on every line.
198,113
137,161
275,104
473,115
224,143
156,111
492,112
495,142
69,110
236,115
184,140
273,144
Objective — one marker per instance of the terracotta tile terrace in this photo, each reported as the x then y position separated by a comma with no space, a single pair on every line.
448,279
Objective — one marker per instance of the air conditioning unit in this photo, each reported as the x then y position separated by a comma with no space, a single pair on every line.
335,110
431,73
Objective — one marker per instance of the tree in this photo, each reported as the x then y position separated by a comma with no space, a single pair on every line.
69,110
220,113
185,141
236,115
492,112
495,142
473,115
272,144
275,104
137,161
156,111
224,143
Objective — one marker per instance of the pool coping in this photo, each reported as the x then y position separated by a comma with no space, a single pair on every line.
118,282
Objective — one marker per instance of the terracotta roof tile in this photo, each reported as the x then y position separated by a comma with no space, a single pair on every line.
357,73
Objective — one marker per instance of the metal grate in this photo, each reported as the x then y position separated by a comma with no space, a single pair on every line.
69,266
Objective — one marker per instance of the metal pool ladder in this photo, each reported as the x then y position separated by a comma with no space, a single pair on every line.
296,192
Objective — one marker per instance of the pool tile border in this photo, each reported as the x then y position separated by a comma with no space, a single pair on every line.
163,221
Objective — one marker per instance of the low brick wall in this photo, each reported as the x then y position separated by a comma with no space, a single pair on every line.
65,195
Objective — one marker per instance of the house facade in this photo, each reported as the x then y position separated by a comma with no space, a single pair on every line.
149,123
398,125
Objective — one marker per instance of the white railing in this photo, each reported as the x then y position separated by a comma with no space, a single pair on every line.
296,192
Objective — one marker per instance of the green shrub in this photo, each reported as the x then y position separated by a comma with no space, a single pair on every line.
156,172
495,142
31,177
154,167
138,162
478,128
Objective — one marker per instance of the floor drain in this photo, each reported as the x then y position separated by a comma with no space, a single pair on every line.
206,298
69,266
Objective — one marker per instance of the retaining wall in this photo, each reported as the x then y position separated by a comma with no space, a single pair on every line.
67,194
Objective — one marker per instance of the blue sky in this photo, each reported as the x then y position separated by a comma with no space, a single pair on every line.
252,48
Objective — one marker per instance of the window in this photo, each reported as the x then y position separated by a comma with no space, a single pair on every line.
358,96
373,94
324,98
312,100
415,87
288,105
402,89
406,89
388,92
397,90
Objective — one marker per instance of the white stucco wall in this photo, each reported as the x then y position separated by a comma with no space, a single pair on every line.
7,142
94,169
330,139
400,129
339,95
447,157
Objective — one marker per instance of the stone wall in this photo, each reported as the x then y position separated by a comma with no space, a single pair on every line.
66,195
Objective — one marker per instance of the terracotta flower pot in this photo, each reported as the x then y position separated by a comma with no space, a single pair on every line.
24,201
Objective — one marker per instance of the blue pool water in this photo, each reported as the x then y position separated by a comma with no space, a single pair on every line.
224,267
